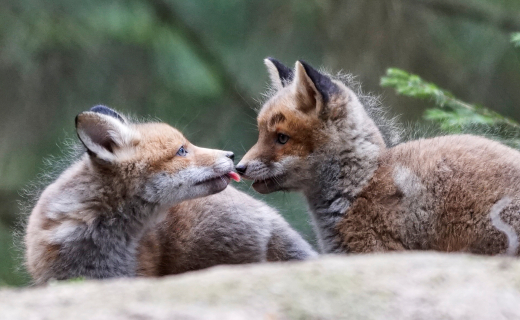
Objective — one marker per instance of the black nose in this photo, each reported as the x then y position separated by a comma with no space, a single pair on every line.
231,156
241,168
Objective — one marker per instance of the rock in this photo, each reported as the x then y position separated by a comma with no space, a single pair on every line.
381,286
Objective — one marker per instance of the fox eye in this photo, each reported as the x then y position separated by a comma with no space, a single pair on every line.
282,138
182,152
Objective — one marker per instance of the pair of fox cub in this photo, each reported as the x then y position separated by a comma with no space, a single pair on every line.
143,200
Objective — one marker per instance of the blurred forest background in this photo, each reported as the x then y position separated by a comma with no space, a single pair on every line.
198,65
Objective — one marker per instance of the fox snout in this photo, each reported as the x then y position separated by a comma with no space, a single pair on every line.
225,155
241,168
218,159
230,155
221,163
253,170
267,177
249,161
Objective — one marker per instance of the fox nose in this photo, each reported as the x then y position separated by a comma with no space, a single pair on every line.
241,168
231,156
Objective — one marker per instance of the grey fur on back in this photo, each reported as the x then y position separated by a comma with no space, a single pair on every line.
103,248
229,227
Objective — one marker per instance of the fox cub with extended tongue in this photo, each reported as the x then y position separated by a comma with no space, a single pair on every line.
451,193
90,221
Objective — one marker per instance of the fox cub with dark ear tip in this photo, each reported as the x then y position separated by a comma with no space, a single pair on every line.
319,137
89,222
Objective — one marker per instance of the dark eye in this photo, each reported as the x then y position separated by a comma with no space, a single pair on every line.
182,152
282,138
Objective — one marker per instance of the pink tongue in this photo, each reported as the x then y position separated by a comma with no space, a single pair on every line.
234,176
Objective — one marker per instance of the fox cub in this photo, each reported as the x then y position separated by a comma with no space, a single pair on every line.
90,221
449,193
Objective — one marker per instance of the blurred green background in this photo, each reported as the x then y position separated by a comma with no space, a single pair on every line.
198,65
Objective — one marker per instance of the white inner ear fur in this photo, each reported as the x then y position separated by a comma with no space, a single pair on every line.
276,81
305,90
96,129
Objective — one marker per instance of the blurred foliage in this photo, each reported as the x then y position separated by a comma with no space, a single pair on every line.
454,115
10,269
198,65
515,38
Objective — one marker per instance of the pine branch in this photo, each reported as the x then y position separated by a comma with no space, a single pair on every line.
453,114
515,39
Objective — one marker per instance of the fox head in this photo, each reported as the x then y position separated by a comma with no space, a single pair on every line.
303,128
151,161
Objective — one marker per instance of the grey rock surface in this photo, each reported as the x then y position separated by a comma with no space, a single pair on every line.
380,286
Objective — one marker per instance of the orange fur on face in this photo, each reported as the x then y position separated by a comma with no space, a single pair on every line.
279,118
158,145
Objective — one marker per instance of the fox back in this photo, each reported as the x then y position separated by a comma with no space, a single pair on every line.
89,221
229,227
452,193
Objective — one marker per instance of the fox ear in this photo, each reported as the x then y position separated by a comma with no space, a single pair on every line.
312,88
109,112
103,132
280,75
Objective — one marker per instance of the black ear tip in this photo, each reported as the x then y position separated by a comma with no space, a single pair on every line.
308,67
286,74
100,108
277,63
322,82
103,110
106,111
273,60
